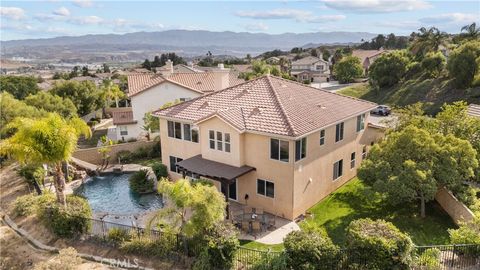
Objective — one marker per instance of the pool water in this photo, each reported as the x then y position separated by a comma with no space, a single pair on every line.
111,194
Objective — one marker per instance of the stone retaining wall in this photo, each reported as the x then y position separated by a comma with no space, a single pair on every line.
455,208
91,155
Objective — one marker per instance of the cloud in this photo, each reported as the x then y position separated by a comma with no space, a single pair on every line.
83,3
256,27
295,14
445,18
405,25
63,11
13,13
86,20
377,6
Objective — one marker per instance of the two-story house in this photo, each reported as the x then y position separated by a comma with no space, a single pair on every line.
269,142
310,68
149,91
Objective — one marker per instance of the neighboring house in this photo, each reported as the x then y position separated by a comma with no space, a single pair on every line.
474,110
310,68
148,92
272,60
367,57
270,143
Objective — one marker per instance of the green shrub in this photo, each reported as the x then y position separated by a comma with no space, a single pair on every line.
125,156
463,64
69,221
32,173
429,259
388,69
433,63
140,183
347,69
141,153
160,170
270,261
155,151
118,236
467,233
145,246
413,70
31,203
379,244
221,246
310,249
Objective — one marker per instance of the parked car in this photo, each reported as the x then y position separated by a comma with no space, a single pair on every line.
381,110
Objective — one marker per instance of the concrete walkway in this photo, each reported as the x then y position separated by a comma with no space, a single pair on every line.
272,237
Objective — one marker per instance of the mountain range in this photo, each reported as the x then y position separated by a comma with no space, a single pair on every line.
185,42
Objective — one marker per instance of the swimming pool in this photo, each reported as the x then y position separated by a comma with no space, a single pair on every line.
111,194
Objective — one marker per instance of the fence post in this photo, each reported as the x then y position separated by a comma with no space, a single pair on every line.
103,229
453,255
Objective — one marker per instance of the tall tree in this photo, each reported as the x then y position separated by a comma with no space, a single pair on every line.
347,69
52,103
427,40
50,140
12,108
409,165
19,86
470,32
84,95
111,91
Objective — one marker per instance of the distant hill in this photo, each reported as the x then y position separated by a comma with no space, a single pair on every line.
188,43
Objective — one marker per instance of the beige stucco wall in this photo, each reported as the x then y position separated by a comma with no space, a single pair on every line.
455,208
294,192
91,155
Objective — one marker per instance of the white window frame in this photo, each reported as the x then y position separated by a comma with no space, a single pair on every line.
265,188
301,146
364,152
353,162
360,122
322,138
340,173
341,130
222,142
279,150
123,129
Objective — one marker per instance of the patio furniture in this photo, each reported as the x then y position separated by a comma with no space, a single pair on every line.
256,228
272,222
246,226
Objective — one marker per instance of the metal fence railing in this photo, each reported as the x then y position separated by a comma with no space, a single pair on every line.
174,246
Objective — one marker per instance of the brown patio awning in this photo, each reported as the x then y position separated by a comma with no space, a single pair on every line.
212,169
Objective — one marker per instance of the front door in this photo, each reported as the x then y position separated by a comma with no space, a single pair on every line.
232,194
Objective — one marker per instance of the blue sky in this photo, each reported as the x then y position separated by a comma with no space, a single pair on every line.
41,19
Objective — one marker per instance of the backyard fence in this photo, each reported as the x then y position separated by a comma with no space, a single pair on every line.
175,246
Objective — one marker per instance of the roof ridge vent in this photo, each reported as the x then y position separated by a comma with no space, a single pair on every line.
242,93
256,111
321,106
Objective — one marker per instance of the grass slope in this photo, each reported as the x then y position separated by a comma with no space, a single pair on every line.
355,200
433,92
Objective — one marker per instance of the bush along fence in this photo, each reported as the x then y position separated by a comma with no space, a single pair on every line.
141,241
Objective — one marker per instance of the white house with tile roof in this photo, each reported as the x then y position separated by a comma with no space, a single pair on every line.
270,143
149,92
310,68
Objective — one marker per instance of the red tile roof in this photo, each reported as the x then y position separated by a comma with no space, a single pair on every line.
123,117
202,82
271,105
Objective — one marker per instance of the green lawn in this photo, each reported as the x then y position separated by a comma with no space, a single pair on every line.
259,246
355,200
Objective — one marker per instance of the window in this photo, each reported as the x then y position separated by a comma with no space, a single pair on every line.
173,164
279,150
211,136
352,160
219,141
194,135
265,188
337,169
123,131
300,149
322,137
187,134
364,152
184,99
178,130
360,122
227,142
319,67
339,132
171,132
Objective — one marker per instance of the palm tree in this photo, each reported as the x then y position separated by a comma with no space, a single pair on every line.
49,140
427,40
472,31
111,91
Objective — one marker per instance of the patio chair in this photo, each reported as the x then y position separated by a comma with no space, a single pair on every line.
272,222
246,226
256,228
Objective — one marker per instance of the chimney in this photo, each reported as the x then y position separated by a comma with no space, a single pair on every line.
221,77
168,68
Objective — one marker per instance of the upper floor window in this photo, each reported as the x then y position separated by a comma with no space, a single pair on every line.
123,131
360,122
279,150
364,152
300,148
219,140
352,160
175,131
322,137
337,169
339,132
